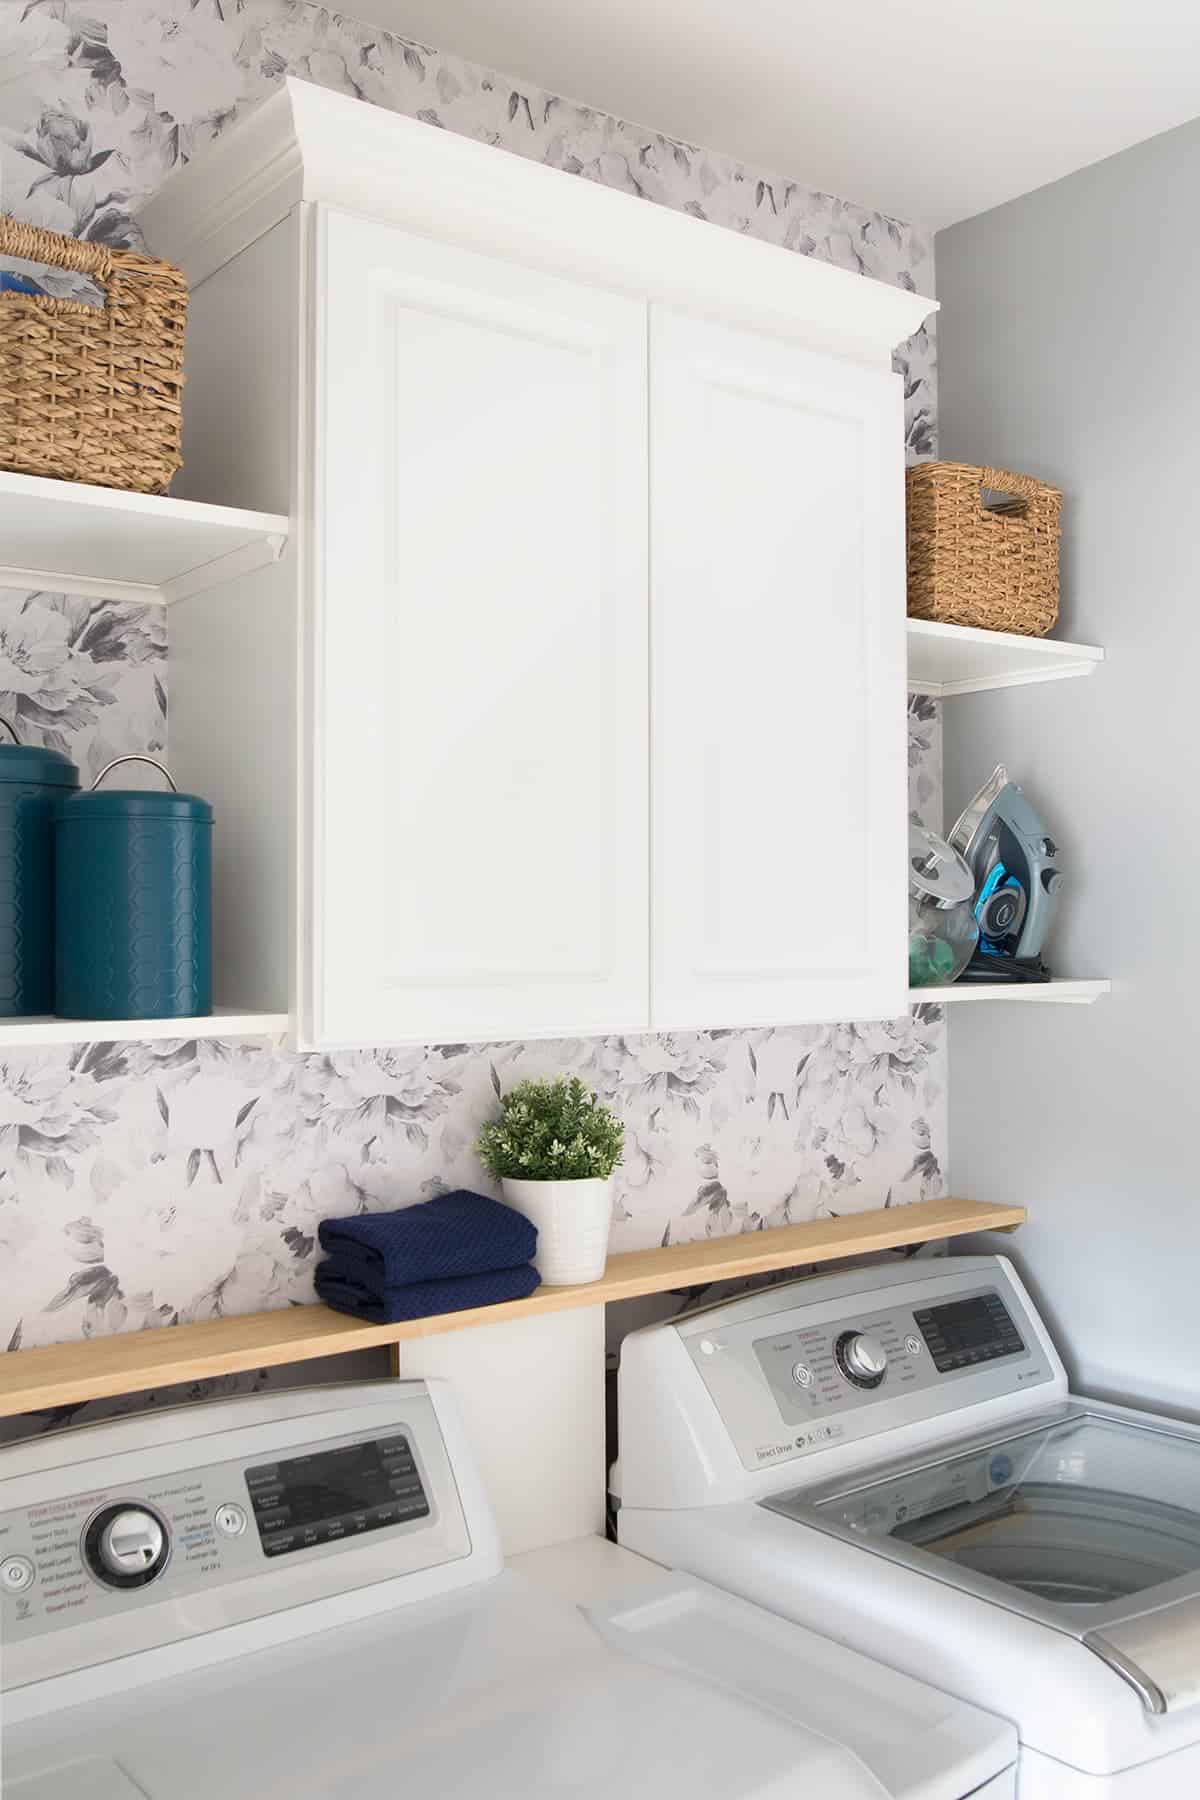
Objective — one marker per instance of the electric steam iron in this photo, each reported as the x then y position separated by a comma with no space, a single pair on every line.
1014,862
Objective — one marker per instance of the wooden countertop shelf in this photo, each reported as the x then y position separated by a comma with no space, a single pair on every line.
68,1374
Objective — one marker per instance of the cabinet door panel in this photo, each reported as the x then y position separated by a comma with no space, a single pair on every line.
480,658
778,740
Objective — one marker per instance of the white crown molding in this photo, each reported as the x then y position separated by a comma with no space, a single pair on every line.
307,144
211,208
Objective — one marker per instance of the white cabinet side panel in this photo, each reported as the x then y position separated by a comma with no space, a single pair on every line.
779,791
233,647
238,365
481,658
232,738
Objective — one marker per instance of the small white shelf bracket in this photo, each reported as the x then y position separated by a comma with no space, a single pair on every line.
242,561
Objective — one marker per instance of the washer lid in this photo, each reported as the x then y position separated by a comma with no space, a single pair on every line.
507,1692
911,1741
1087,1519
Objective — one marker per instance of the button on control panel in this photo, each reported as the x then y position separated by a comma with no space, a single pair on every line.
230,1520
16,1574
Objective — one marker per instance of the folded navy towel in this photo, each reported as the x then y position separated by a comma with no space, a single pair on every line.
421,1299
457,1234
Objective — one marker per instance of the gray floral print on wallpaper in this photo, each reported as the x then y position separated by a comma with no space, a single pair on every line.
144,1183
81,676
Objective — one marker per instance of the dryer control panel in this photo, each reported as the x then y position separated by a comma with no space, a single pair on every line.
156,1529
109,1552
823,1363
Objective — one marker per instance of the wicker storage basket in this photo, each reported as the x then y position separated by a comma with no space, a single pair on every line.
92,393
995,566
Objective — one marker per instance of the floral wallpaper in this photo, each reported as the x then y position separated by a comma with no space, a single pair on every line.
145,1183
84,677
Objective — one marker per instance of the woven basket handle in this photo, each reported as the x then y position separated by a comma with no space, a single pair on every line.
1003,481
36,245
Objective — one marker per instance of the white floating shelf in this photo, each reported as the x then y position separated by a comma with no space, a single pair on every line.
1045,993
224,1022
956,659
67,537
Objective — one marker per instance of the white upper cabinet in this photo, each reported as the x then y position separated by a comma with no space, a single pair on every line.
576,702
480,698
778,655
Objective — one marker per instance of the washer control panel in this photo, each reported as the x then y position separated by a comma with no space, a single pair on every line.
95,1554
107,1549
833,1366
827,1368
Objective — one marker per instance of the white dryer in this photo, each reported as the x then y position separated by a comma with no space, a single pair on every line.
300,1596
892,1456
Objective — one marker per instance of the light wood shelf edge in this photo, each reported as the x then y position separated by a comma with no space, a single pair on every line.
99,1368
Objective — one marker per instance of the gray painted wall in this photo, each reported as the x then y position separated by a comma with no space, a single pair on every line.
1069,346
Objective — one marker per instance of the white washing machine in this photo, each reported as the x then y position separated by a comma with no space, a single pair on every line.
301,1595
892,1456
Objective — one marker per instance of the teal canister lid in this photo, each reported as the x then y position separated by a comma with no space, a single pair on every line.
132,803
29,763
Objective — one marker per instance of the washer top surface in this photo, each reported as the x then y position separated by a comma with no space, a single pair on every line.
653,1686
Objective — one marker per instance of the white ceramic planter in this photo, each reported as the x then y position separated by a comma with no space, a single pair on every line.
572,1219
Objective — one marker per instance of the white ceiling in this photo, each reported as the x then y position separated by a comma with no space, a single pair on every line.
931,110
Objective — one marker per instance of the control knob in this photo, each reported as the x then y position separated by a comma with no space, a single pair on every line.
861,1358
126,1546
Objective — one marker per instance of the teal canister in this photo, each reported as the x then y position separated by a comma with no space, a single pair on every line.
32,781
134,902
